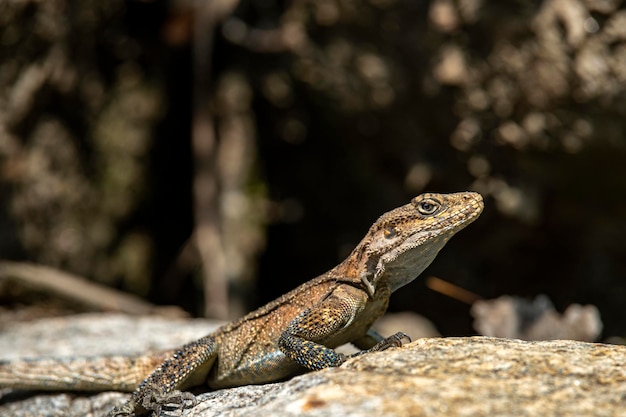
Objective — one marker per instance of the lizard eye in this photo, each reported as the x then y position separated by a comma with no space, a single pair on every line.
427,207
389,232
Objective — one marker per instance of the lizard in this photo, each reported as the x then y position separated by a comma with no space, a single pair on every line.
293,334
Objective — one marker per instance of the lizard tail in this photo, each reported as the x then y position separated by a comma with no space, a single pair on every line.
112,373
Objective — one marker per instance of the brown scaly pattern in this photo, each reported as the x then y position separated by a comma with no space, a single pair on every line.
295,333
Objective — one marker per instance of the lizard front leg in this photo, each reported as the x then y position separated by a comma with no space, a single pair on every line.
302,341
187,367
299,341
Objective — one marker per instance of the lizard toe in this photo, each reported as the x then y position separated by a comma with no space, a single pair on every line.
178,400
395,340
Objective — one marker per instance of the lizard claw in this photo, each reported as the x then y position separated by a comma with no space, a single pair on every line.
179,400
394,340
124,411
152,400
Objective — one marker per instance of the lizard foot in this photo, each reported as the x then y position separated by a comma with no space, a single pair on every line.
125,410
395,340
156,401
176,400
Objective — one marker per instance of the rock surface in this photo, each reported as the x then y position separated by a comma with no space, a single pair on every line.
475,376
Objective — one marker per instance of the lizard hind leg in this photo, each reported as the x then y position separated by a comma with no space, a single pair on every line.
187,367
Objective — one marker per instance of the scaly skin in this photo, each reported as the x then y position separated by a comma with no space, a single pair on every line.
293,334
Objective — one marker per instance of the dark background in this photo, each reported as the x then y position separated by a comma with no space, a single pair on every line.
326,114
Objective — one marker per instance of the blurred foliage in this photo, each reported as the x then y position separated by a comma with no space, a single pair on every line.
355,106
76,131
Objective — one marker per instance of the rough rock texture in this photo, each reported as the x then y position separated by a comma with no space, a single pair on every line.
475,376
98,334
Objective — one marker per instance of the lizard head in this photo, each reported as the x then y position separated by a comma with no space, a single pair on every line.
404,241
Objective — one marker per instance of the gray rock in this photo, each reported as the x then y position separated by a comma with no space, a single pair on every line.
473,376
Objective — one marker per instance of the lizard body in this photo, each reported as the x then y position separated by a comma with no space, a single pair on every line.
290,335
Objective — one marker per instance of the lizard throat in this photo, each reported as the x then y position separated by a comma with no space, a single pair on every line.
405,263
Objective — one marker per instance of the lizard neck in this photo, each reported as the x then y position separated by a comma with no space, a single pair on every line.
390,270
359,269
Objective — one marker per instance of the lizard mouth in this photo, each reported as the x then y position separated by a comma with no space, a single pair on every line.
469,211
457,211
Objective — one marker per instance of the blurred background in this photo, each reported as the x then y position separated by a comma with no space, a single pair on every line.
215,155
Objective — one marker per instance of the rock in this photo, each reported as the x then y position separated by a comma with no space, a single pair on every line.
464,376
98,334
